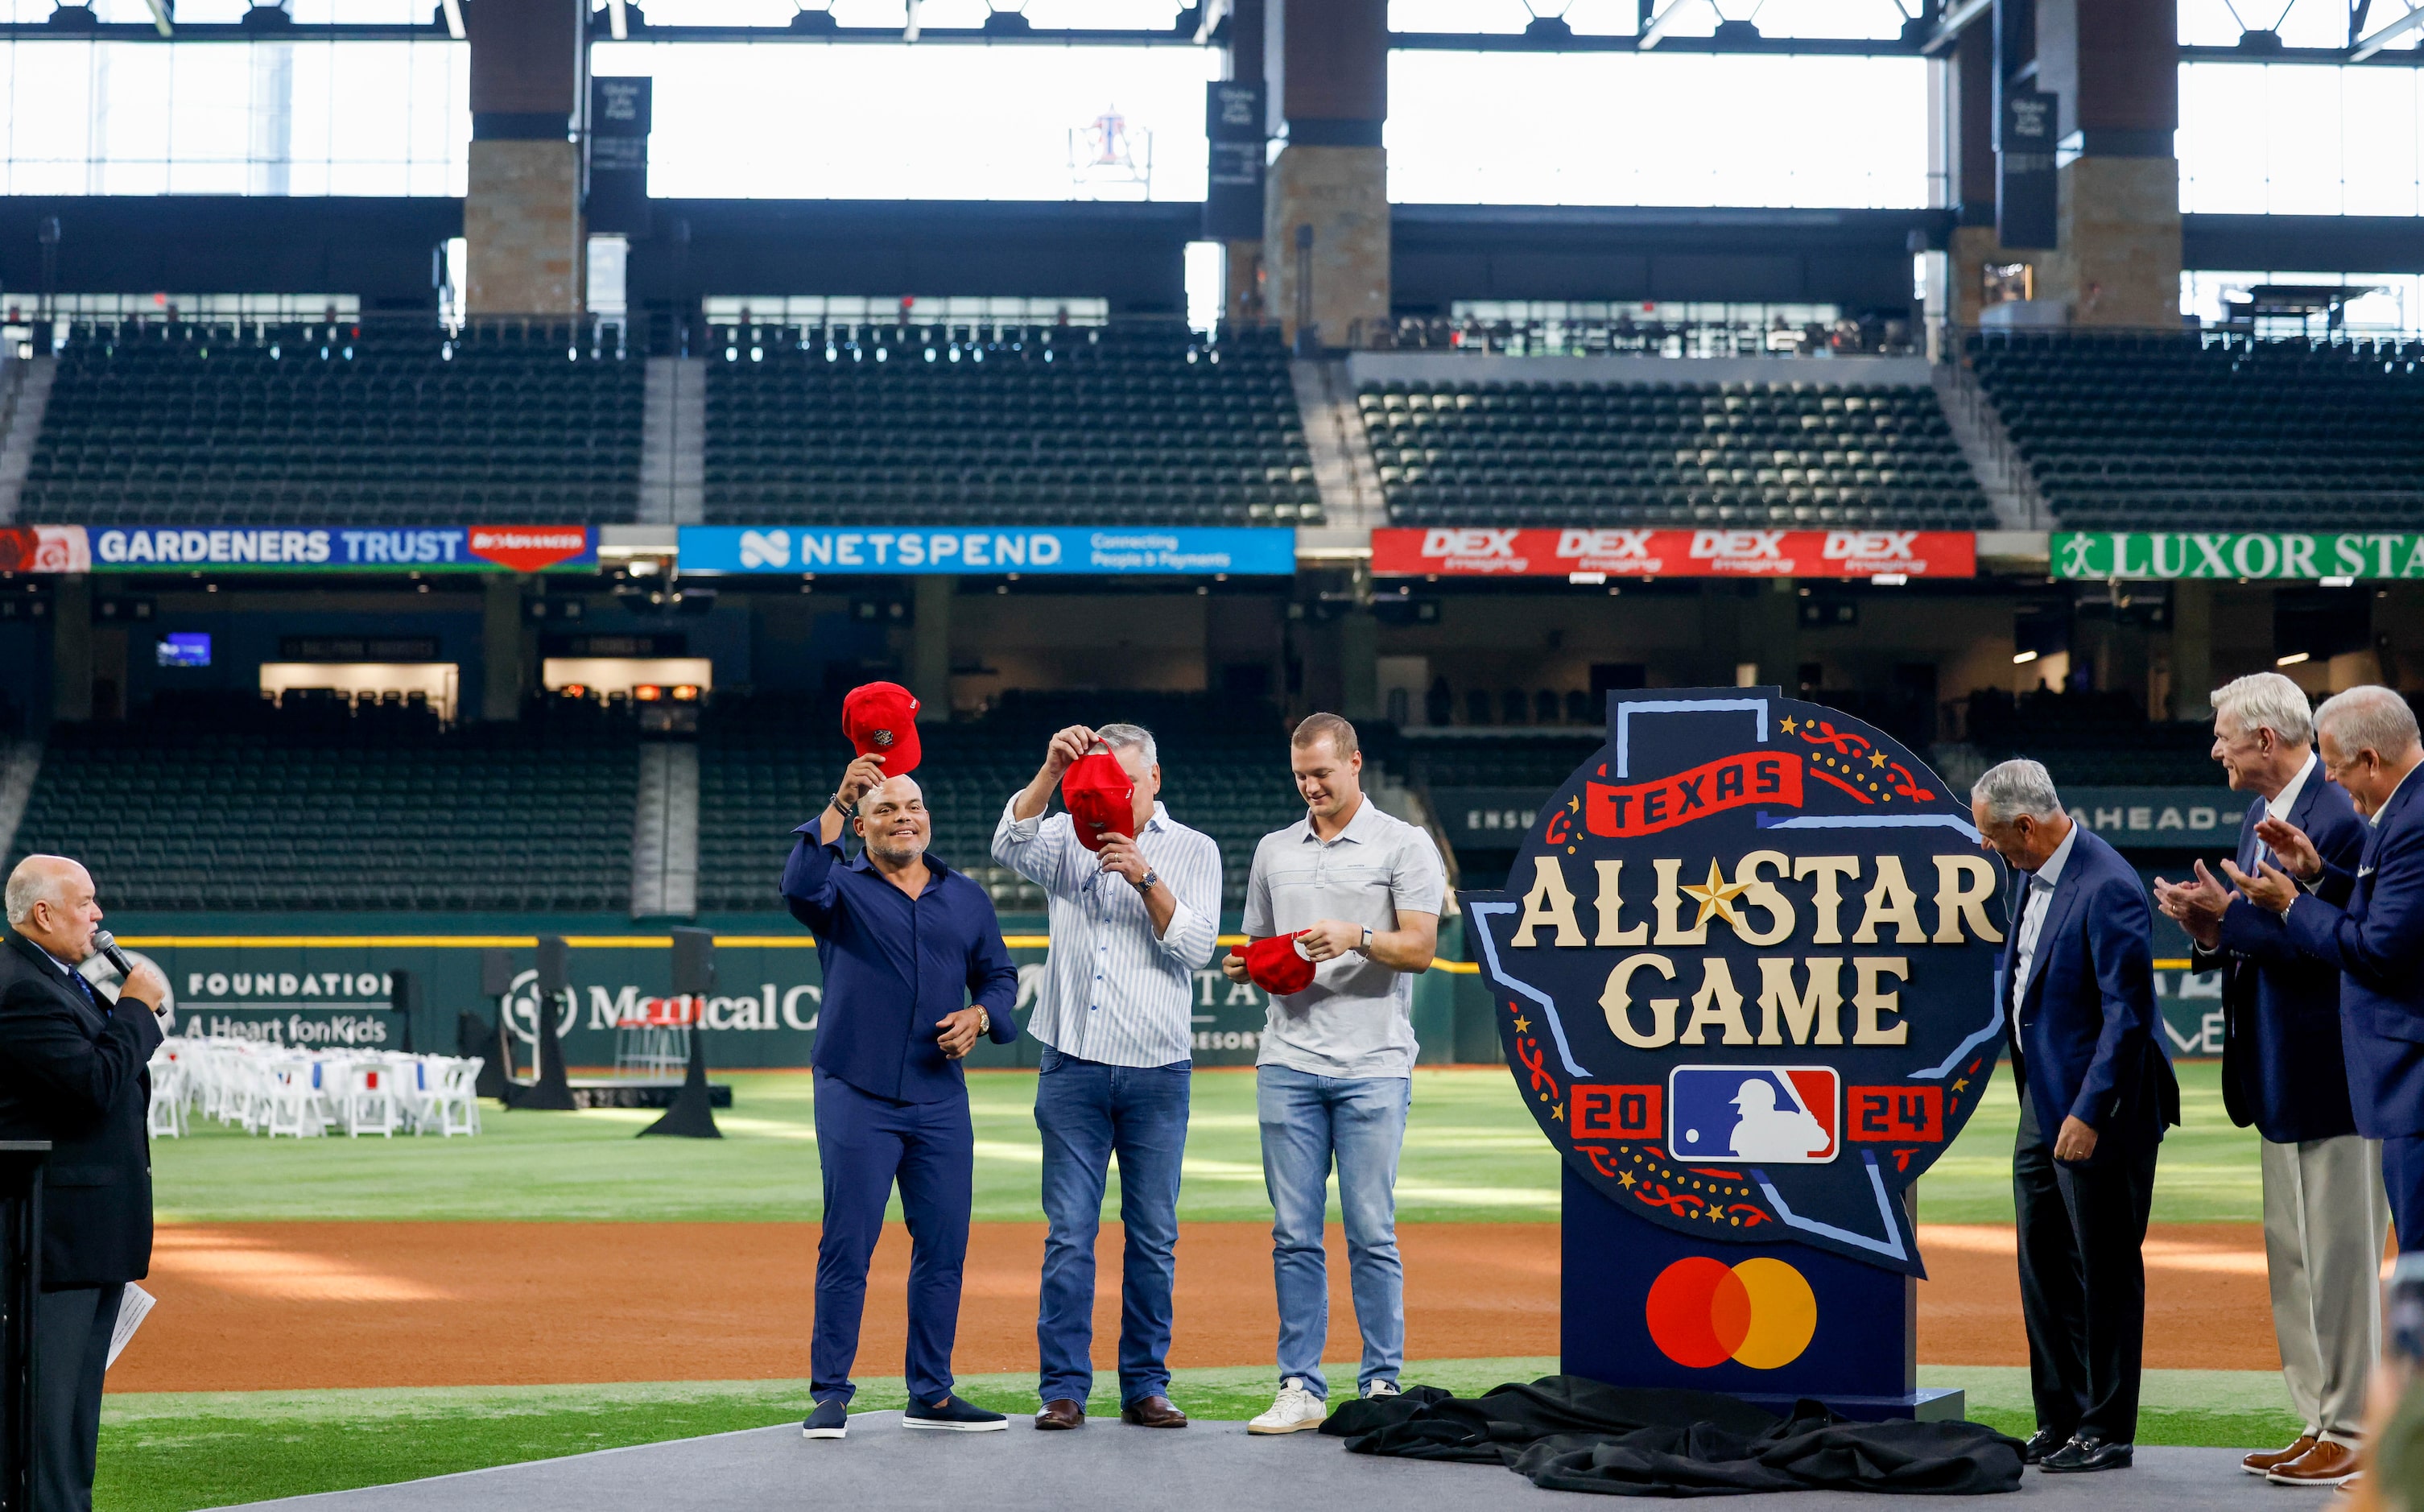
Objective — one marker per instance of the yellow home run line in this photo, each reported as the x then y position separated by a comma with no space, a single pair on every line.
577,942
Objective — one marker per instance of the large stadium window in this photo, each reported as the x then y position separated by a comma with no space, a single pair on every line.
2377,304
1618,129
83,118
863,121
2283,139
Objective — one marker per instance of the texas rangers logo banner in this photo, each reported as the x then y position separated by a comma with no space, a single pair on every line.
1743,971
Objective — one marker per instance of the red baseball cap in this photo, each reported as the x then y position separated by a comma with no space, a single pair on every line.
881,719
1101,798
1278,966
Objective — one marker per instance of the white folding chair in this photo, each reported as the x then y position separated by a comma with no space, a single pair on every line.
370,1099
166,1118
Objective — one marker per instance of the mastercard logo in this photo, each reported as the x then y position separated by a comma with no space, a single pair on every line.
1703,1312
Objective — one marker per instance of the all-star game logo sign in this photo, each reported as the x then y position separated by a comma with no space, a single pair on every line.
1744,970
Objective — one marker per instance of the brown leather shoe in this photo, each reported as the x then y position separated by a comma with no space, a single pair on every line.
1153,1412
1060,1412
2326,1464
2262,1461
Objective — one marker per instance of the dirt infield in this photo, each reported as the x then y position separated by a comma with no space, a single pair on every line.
263,1306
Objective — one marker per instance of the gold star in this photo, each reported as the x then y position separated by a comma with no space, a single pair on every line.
1575,804
1789,725
1876,758
1716,895
1558,1112
1624,1179
1522,1024
1961,1084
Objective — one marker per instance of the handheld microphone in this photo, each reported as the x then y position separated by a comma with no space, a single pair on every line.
106,944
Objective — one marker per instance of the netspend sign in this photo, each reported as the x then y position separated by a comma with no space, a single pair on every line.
2282,555
1514,552
1106,552
343,548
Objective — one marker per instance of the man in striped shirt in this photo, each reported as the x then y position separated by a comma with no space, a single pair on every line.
1130,923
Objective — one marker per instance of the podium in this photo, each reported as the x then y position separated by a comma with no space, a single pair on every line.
21,1278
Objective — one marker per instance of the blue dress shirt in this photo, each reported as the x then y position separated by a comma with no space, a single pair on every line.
895,967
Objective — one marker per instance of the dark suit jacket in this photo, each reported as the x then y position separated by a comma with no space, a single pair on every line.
2368,922
2087,1027
76,1075
2281,1068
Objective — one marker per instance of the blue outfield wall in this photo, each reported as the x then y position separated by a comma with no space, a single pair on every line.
324,979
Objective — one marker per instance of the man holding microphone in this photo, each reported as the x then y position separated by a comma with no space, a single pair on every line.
1132,915
72,1071
914,973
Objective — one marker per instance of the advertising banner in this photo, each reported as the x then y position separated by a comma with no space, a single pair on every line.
340,548
44,549
1106,552
2291,556
1511,552
2143,818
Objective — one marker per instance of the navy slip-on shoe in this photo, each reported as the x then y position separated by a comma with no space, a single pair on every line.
831,1420
952,1415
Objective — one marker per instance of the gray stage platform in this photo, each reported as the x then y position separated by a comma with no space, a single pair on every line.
1209,1467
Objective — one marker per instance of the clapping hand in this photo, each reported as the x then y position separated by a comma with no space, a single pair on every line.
2195,906
2271,888
2297,854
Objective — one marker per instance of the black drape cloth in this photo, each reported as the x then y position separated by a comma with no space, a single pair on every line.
1568,1433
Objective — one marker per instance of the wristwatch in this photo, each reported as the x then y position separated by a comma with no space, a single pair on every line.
985,1020
1363,947
1144,883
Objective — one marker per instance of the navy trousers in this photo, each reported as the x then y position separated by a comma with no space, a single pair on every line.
864,1145
2403,1179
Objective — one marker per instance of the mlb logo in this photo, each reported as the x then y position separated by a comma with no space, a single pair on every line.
1771,1115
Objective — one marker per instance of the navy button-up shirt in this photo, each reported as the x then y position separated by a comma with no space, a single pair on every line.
895,967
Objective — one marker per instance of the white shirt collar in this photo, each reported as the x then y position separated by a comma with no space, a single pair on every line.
2376,820
1358,828
2050,875
2287,799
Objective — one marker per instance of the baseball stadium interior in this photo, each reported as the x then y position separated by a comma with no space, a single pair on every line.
456,459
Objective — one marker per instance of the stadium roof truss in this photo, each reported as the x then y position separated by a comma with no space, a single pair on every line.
2332,32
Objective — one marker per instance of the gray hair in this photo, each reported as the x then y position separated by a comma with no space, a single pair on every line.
2266,701
1130,737
2018,787
2369,718
39,878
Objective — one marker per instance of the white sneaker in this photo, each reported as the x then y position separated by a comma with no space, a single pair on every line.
1378,1389
1293,1411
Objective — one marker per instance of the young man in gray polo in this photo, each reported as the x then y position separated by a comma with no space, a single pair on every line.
1334,1077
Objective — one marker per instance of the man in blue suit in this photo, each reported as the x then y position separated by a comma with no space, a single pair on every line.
2368,922
915,974
2078,978
2283,1071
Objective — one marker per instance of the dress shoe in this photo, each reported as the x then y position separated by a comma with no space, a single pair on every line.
2263,1460
2084,1453
1153,1412
1060,1412
2041,1444
2326,1464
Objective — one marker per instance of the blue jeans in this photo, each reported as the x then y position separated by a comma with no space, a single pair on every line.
1088,1111
863,1144
1308,1122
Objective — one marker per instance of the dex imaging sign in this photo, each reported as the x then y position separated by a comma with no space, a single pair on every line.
1640,552
1061,550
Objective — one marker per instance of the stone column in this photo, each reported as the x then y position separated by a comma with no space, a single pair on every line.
522,230
1964,100
2113,65
1325,205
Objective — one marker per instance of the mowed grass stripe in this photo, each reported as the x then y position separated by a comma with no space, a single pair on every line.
1472,1153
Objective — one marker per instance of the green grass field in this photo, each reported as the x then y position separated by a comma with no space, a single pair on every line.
170,1453
1472,1153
